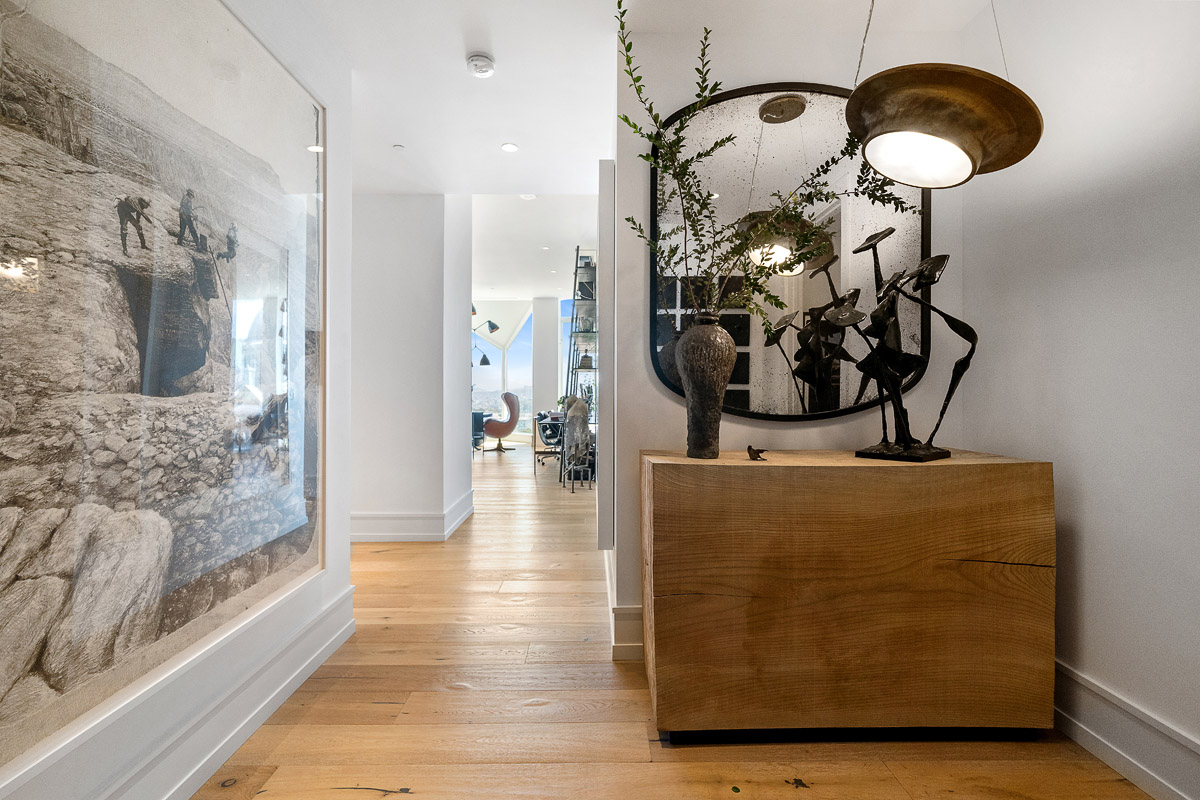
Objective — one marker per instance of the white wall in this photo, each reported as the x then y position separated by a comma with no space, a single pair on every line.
1082,280
457,495
411,389
651,416
167,732
547,341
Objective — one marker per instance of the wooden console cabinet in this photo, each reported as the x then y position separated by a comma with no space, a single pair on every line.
820,590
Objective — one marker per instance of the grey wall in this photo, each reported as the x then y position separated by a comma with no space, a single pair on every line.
1081,276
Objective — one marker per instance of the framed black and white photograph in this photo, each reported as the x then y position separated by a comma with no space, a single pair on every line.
161,342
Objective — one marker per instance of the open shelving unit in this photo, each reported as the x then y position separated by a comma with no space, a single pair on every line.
584,336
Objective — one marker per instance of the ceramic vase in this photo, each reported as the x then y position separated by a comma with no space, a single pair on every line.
705,356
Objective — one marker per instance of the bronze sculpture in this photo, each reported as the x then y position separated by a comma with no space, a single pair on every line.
887,363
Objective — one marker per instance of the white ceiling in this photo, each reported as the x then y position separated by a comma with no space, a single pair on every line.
526,248
730,19
553,94
554,91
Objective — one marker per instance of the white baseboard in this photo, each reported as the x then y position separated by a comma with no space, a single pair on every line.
459,512
396,526
164,735
1160,760
627,634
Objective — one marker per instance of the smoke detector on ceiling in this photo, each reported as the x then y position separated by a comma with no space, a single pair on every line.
481,65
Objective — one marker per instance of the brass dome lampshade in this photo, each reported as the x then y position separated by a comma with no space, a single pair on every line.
934,126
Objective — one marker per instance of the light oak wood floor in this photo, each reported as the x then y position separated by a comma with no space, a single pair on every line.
481,669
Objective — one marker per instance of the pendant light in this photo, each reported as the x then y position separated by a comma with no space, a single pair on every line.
935,126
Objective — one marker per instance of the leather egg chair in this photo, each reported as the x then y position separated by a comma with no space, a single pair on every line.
498,429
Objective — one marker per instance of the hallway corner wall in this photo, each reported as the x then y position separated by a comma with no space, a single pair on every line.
410,474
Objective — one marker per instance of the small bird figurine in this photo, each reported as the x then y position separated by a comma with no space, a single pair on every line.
755,455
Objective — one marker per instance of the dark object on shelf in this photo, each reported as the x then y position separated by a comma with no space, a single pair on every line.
705,357
889,365
755,454
498,429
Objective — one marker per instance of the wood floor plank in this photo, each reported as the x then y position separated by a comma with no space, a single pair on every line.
424,708
527,586
234,783
362,652
339,708
479,601
526,632
568,652
521,743
451,617
697,781
1028,780
484,677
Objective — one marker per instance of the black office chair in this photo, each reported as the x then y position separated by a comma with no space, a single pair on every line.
549,427
478,418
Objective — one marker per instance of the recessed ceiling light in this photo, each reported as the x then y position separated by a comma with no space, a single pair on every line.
316,148
509,147
397,147
553,272
713,195
545,248
529,197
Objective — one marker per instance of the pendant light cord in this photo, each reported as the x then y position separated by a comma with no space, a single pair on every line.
863,48
999,39
762,127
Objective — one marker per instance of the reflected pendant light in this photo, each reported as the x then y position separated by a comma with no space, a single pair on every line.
773,248
585,361
483,361
776,247
934,126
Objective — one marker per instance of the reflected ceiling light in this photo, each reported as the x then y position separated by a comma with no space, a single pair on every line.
938,125
529,197
509,147
782,108
316,148
774,248
483,361
473,311
481,65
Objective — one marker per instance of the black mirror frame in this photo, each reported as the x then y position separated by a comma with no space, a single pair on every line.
926,227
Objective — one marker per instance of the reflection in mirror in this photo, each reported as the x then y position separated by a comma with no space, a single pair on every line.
806,367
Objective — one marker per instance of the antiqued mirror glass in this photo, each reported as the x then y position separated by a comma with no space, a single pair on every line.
772,379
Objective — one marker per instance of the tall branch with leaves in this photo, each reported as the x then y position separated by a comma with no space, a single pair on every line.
702,252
